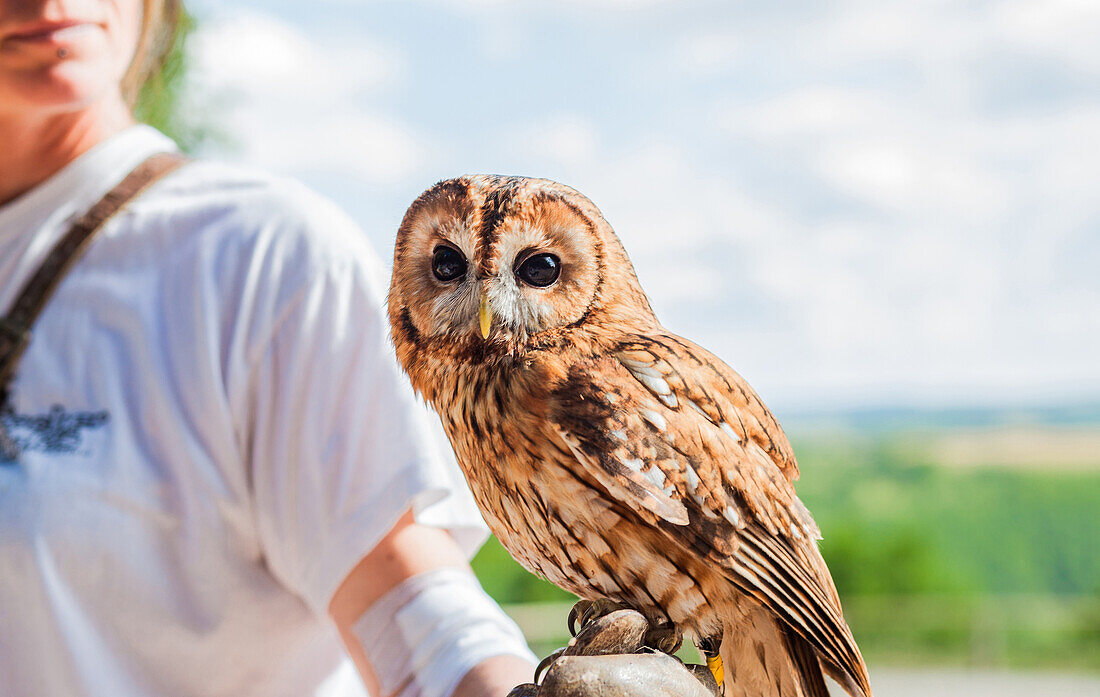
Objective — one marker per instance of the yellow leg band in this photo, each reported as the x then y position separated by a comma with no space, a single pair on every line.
716,669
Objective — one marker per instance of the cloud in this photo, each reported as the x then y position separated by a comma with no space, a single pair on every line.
562,138
1066,29
295,104
851,201
934,162
708,52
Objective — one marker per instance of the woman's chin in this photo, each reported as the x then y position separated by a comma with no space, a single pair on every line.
63,86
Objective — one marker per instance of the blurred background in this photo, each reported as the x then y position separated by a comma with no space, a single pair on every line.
884,214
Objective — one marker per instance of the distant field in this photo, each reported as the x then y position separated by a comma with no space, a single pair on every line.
896,520
1042,448
973,546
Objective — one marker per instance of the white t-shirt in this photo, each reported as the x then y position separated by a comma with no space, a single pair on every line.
214,432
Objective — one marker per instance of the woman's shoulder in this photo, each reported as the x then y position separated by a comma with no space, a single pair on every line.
241,209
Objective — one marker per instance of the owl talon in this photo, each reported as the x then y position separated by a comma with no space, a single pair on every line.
709,648
588,614
578,615
547,662
601,608
585,612
665,638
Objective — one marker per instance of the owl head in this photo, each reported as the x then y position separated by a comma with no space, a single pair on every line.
492,265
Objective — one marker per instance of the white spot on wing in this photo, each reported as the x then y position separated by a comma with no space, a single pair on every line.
671,510
691,403
656,385
634,464
730,514
655,475
641,369
654,418
692,478
728,430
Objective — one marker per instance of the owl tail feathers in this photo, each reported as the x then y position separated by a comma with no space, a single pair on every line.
808,665
850,673
768,659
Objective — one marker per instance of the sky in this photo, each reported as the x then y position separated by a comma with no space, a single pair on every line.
853,203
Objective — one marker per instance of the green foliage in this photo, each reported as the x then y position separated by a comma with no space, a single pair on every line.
935,564
161,102
896,523
995,630
509,582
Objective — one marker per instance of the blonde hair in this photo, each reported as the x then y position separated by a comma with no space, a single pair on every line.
160,21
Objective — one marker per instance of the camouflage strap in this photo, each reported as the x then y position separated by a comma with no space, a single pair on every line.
15,327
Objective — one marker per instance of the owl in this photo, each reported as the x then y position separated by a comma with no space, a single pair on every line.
610,456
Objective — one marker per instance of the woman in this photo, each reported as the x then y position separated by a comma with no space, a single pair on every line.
217,460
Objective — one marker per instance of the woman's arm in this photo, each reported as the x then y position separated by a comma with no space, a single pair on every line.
407,550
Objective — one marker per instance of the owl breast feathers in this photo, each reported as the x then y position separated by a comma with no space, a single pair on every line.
607,454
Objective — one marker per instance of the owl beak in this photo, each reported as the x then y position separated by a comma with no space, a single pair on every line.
484,315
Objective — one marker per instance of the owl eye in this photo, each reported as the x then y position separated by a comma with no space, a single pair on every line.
447,263
539,270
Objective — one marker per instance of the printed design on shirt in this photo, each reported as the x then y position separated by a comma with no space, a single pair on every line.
57,431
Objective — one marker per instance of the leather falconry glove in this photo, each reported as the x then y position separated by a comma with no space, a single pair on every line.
617,654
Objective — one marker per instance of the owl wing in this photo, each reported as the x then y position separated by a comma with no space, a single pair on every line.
682,440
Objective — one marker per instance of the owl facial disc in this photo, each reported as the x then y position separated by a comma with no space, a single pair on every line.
509,263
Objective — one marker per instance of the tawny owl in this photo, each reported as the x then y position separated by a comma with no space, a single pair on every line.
607,454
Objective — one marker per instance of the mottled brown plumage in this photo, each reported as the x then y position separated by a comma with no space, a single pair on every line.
610,456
